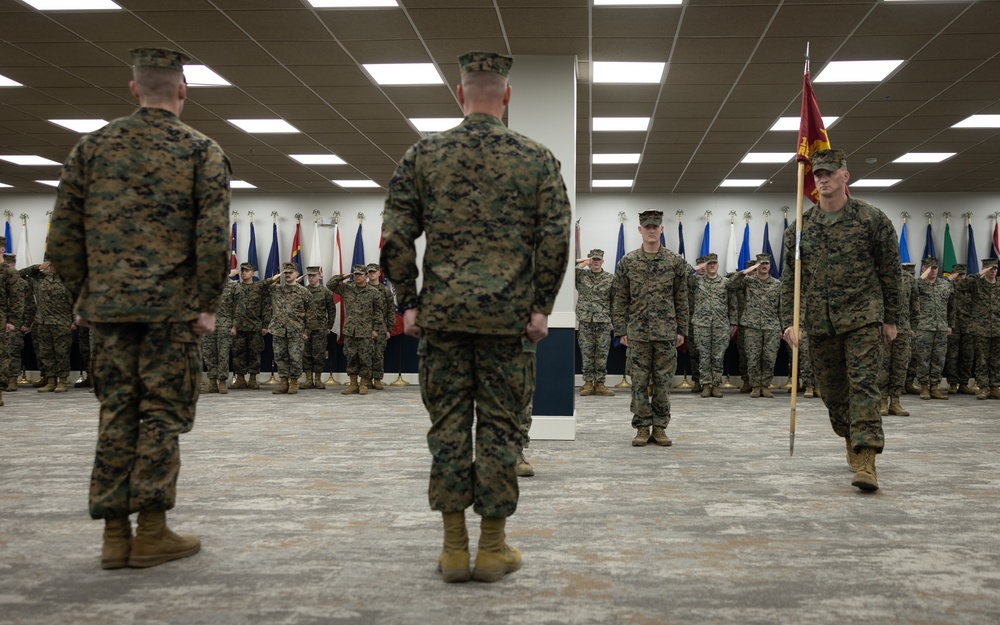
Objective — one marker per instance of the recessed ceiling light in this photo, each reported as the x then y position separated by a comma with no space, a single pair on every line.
73,5
924,157
263,125
4,185
768,157
27,159
203,76
792,123
7,82
611,183
352,4
733,182
637,3
318,159
857,71
875,182
51,183
356,184
404,73
628,73
608,124
80,125
615,159
979,121
241,184
435,124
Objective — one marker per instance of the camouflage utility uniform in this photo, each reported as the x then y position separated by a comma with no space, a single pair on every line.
896,355
710,321
984,325
251,314
760,326
363,314
593,313
319,319
960,359
215,345
937,316
51,334
290,304
13,291
385,327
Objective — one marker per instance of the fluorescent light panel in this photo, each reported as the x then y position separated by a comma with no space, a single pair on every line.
857,71
611,183
73,5
262,126
318,159
875,182
203,76
628,73
352,4
615,159
621,124
8,82
736,182
435,124
4,185
768,157
51,183
356,184
636,3
924,157
27,159
792,123
404,73
80,125
979,121
241,184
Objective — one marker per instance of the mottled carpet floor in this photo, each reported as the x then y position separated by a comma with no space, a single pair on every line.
312,509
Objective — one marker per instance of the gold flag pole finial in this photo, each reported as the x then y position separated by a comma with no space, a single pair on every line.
930,216
361,217
680,214
8,214
274,216
746,216
767,214
905,215
621,217
732,217
784,211
316,215
708,214
336,217
24,219
946,214
298,217
250,215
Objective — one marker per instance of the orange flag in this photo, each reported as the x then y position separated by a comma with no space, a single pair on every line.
812,134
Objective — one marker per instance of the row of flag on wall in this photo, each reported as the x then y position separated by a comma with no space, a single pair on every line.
949,257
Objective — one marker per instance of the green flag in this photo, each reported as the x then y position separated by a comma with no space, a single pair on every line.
949,251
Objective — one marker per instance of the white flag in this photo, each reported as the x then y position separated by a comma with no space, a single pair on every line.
22,251
336,270
315,255
733,253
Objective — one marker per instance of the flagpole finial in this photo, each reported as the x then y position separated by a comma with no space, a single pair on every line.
316,215
680,214
621,216
968,216
361,217
8,214
48,212
905,215
784,209
947,214
732,217
336,217
577,223
929,215
708,214
235,214
250,215
298,217
767,213
24,218
274,215
746,216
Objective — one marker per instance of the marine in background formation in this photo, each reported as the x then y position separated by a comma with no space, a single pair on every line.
593,314
386,325
960,359
364,316
215,345
13,293
937,317
691,341
983,293
759,322
319,319
251,316
287,326
51,329
710,321
896,355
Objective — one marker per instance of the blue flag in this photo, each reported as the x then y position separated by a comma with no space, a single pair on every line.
680,237
904,246
663,241
6,233
706,238
741,264
273,259
929,245
766,249
621,245
972,260
359,249
252,254
781,256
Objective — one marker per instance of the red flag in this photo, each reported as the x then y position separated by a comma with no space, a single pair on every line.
995,252
233,264
297,248
397,328
812,134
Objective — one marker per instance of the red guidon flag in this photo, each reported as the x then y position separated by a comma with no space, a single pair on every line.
812,134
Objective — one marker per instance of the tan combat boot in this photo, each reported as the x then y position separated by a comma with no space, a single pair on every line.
318,382
211,385
995,393
240,382
523,468
660,437
984,393
61,384
746,388
117,543
883,408
641,437
697,387
973,387
937,393
866,478
155,543
495,557
50,385
40,382
896,409
817,393
308,382
809,392
363,386
378,385
603,391
282,388
716,392
352,387
755,393
853,459
706,390
965,389
293,386
587,390
453,563
952,389
252,383
912,388
766,392
925,391
223,389
11,385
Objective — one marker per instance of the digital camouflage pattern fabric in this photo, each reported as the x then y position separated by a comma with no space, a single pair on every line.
290,304
593,314
896,355
937,315
984,325
710,325
319,319
760,325
251,314
215,345
364,313
51,336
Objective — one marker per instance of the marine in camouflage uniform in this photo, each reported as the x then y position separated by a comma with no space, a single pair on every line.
960,359
983,292
710,322
494,209
51,330
142,178
850,278
739,303
896,355
937,317
807,379
319,319
289,309
251,315
215,345
759,322
593,314
694,353
12,295
649,309
388,321
364,316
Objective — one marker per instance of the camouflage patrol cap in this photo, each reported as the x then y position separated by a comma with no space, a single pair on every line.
910,266
248,266
651,218
596,253
959,268
929,262
7,256
480,61
764,258
312,271
699,260
989,262
710,258
370,267
830,160
288,268
359,269
751,262
163,58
